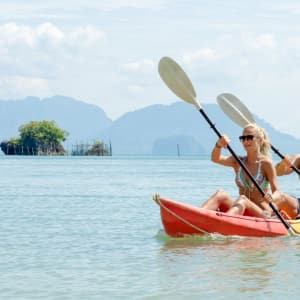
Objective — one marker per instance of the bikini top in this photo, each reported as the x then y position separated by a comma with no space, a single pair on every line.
241,181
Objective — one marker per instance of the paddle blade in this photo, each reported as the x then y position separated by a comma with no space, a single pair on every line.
235,109
177,80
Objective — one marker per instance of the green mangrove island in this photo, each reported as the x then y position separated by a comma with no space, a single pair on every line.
45,138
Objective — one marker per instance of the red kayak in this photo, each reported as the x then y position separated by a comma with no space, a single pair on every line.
181,219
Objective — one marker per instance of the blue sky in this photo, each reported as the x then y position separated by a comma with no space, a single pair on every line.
106,52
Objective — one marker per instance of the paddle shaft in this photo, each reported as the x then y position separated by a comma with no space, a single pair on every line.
287,226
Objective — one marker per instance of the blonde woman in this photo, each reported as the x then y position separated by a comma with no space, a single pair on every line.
257,160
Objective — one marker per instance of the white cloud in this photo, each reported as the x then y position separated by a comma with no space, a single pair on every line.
145,66
15,87
49,34
12,34
263,41
135,89
43,49
202,55
86,36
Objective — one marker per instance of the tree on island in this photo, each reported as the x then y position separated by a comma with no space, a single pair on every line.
37,138
96,149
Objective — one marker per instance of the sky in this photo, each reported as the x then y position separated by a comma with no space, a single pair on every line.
107,52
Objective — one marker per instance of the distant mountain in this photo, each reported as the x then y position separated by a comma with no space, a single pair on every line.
83,121
177,145
156,129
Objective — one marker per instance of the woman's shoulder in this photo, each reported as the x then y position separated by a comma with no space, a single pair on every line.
266,161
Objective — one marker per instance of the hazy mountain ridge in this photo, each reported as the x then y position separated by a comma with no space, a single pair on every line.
156,129
178,123
83,121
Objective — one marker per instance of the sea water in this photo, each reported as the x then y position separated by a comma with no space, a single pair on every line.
87,228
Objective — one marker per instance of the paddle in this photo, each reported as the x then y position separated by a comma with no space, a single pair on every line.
178,82
237,111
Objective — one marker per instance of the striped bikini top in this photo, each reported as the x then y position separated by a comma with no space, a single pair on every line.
241,181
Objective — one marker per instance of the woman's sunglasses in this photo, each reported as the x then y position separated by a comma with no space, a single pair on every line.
248,137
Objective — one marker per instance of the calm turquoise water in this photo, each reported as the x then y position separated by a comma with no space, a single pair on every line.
87,228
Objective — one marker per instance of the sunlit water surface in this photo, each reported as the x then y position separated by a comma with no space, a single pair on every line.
87,228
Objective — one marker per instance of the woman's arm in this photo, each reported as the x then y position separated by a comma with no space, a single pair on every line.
296,161
217,157
270,173
284,166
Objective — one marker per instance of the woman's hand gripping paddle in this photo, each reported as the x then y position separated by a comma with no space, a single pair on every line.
179,83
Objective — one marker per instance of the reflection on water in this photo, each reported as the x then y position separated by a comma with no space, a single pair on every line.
256,263
220,241
245,264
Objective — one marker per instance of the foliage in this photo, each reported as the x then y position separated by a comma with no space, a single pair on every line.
36,137
42,134
97,149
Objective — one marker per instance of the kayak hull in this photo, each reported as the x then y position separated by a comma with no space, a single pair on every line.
180,219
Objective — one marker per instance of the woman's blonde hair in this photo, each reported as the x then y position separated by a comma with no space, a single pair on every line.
263,136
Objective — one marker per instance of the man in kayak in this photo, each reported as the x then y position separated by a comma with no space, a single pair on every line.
284,166
258,162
